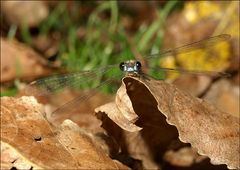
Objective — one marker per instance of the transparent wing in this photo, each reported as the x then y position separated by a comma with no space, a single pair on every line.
192,46
195,72
70,106
68,103
56,83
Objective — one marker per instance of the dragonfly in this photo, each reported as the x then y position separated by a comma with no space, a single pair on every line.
56,83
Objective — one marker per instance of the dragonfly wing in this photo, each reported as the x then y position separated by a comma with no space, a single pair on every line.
208,42
91,82
56,83
194,72
78,104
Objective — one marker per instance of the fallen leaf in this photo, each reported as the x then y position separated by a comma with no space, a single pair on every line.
18,60
183,157
80,112
30,142
47,45
30,13
212,132
140,144
224,95
113,113
195,85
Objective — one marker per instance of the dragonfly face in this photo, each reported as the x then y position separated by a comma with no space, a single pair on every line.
131,67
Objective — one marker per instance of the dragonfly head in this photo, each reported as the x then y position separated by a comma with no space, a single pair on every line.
131,66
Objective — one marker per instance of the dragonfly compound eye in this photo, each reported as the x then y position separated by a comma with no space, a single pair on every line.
121,66
139,65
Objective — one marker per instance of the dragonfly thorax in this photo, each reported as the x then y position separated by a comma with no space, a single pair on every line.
130,67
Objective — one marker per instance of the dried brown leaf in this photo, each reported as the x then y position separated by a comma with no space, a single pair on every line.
143,144
20,60
80,112
195,85
31,142
30,13
185,156
225,95
212,132
122,105
47,45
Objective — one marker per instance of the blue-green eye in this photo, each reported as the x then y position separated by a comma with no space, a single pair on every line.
139,65
121,66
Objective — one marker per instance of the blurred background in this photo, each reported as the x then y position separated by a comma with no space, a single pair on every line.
41,38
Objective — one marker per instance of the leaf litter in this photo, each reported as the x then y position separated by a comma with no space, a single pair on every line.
21,61
36,144
154,114
138,110
212,132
